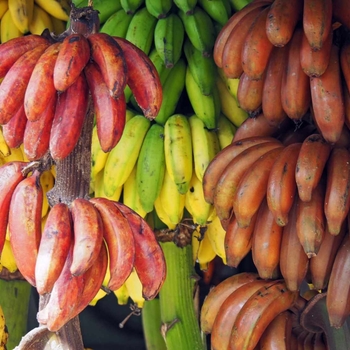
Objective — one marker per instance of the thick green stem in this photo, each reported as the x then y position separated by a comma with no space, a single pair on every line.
180,326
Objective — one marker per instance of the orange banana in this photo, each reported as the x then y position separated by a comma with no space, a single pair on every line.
149,260
109,56
40,89
257,47
282,19
73,55
266,243
222,159
281,186
271,96
143,79
119,240
320,266
88,235
55,242
71,108
327,99
218,294
258,312
252,188
317,21
295,88
14,84
338,305
10,176
311,162
294,262
337,199
13,131
311,222
25,224
110,113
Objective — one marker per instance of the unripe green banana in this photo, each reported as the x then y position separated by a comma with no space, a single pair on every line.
151,167
200,30
187,6
239,4
203,69
159,64
216,10
168,39
131,6
117,24
141,30
173,87
159,9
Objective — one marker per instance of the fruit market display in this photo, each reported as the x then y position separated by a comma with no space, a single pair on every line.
143,140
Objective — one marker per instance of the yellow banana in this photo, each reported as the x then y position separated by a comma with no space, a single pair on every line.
226,131
58,25
122,295
134,287
206,252
22,13
3,7
98,156
7,259
4,148
231,83
216,235
8,28
41,20
47,181
3,330
56,8
162,214
25,158
99,189
15,154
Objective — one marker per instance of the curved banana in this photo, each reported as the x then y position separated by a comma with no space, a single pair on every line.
22,13
56,8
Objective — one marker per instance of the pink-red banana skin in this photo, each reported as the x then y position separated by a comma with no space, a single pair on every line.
13,131
55,242
109,56
13,49
119,239
40,89
25,224
143,78
71,108
149,261
110,113
88,235
73,55
14,84
10,176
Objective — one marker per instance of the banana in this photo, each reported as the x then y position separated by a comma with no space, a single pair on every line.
338,287
258,312
157,61
169,36
8,29
199,29
56,8
206,107
7,258
40,89
47,182
281,21
216,235
58,25
202,68
231,83
227,314
178,151
109,57
68,120
162,214
131,6
141,30
13,132
327,99
109,112
122,295
15,155
151,269
4,334
25,224
143,79
22,13
122,158
4,147
4,5
151,167
206,253
55,242
119,240
173,87
281,186
337,200
98,189
98,156
226,131
117,24
311,162
41,20
218,294
134,289
217,10
158,9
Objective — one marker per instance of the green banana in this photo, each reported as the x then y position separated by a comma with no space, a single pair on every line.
200,30
239,4
203,69
173,87
123,157
151,167
131,6
169,36
216,10
159,64
187,6
159,9
117,24
178,151
141,30
206,107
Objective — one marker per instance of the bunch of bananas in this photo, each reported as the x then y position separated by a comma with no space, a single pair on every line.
3,330
21,17
292,58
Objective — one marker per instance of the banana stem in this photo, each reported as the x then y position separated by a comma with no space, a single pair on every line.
180,326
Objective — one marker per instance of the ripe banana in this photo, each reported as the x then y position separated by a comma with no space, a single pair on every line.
59,9
22,13
98,156
216,235
134,289
205,253
7,258
226,131
4,147
41,20
3,330
8,29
